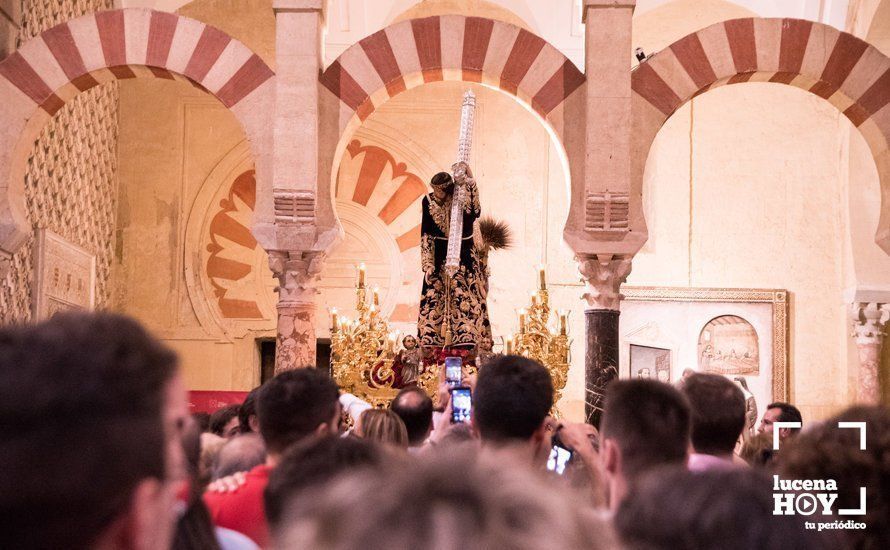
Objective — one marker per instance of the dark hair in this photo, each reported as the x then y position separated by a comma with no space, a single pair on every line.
203,420
221,417
789,413
81,408
315,462
825,451
248,409
718,412
239,454
415,408
293,404
443,180
649,421
513,397
194,530
674,509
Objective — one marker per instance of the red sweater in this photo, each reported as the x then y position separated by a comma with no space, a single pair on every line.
243,510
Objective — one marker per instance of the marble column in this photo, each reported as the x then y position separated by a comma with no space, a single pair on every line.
603,275
297,274
869,320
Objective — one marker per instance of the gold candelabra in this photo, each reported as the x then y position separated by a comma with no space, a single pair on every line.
536,341
363,350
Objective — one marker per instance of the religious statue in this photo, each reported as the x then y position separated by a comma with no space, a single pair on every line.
750,408
453,310
409,359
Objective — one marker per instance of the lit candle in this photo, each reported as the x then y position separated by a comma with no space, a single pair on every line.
508,346
521,321
543,277
373,310
562,324
376,295
361,276
534,299
392,341
334,320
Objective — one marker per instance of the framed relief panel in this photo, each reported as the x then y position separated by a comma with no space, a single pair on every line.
738,333
64,276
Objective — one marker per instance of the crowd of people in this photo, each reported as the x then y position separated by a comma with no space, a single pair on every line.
98,450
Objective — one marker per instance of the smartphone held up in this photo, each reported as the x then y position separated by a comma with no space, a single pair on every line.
461,404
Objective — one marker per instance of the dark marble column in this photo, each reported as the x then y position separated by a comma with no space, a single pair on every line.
600,359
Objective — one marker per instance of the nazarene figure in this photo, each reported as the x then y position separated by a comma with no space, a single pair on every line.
453,312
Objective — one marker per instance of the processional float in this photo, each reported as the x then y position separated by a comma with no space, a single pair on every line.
373,362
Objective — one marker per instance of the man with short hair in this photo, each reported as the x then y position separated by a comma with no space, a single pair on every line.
92,408
511,403
780,412
415,408
712,510
645,425
316,462
224,421
239,454
247,418
294,405
718,418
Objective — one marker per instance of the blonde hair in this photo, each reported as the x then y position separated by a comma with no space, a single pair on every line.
384,426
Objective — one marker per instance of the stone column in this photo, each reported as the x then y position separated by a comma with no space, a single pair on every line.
869,320
293,255
603,275
297,274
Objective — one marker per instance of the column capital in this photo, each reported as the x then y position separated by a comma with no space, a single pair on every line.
297,273
869,321
604,274
597,4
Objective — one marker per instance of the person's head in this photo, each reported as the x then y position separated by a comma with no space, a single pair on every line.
675,509
383,426
452,499
442,185
202,419
827,451
224,422
239,454
645,425
718,412
194,528
758,449
314,462
410,342
512,399
415,408
780,412
247,418
296,404
92,410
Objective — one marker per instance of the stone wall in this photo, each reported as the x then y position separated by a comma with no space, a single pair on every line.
71,179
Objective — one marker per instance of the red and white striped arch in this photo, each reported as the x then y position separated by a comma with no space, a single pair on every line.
450,47
37,79
447,47
846,71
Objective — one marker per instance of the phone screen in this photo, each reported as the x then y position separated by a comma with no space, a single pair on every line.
461,404
453,371
559,457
